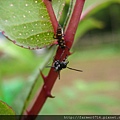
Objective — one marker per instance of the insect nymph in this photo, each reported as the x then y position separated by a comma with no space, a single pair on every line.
60,37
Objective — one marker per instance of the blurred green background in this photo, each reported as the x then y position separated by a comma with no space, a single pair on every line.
96,51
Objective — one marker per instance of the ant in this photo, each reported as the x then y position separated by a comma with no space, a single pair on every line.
59,65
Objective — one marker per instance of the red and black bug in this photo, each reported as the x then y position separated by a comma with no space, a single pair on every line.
59,65
60,37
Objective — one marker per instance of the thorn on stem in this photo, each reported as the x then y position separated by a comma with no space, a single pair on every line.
44,77
69,53
48,93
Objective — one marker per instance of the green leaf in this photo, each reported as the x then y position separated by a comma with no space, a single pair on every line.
93,6
33,84
58,6
15,51
12,88
5,109
71,4
26,23
87,25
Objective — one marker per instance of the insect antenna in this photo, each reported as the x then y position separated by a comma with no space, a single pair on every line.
74,69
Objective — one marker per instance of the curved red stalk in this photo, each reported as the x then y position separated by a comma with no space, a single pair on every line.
61,54
73,24
51,14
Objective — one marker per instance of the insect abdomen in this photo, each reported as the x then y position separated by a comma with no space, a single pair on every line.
60,37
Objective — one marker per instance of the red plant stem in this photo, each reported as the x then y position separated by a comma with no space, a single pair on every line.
51,14
73,24
49,80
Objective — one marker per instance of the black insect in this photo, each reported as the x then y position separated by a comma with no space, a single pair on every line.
59,65
60,37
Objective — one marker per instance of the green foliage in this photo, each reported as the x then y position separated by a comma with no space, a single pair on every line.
95,5
58,7
107,51
33,83
88,23
13,56
10,89
23,63
5,109
19,72
85,98
26,23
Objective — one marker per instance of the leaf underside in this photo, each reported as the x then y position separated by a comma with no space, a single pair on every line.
58,6
5,109
26,23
